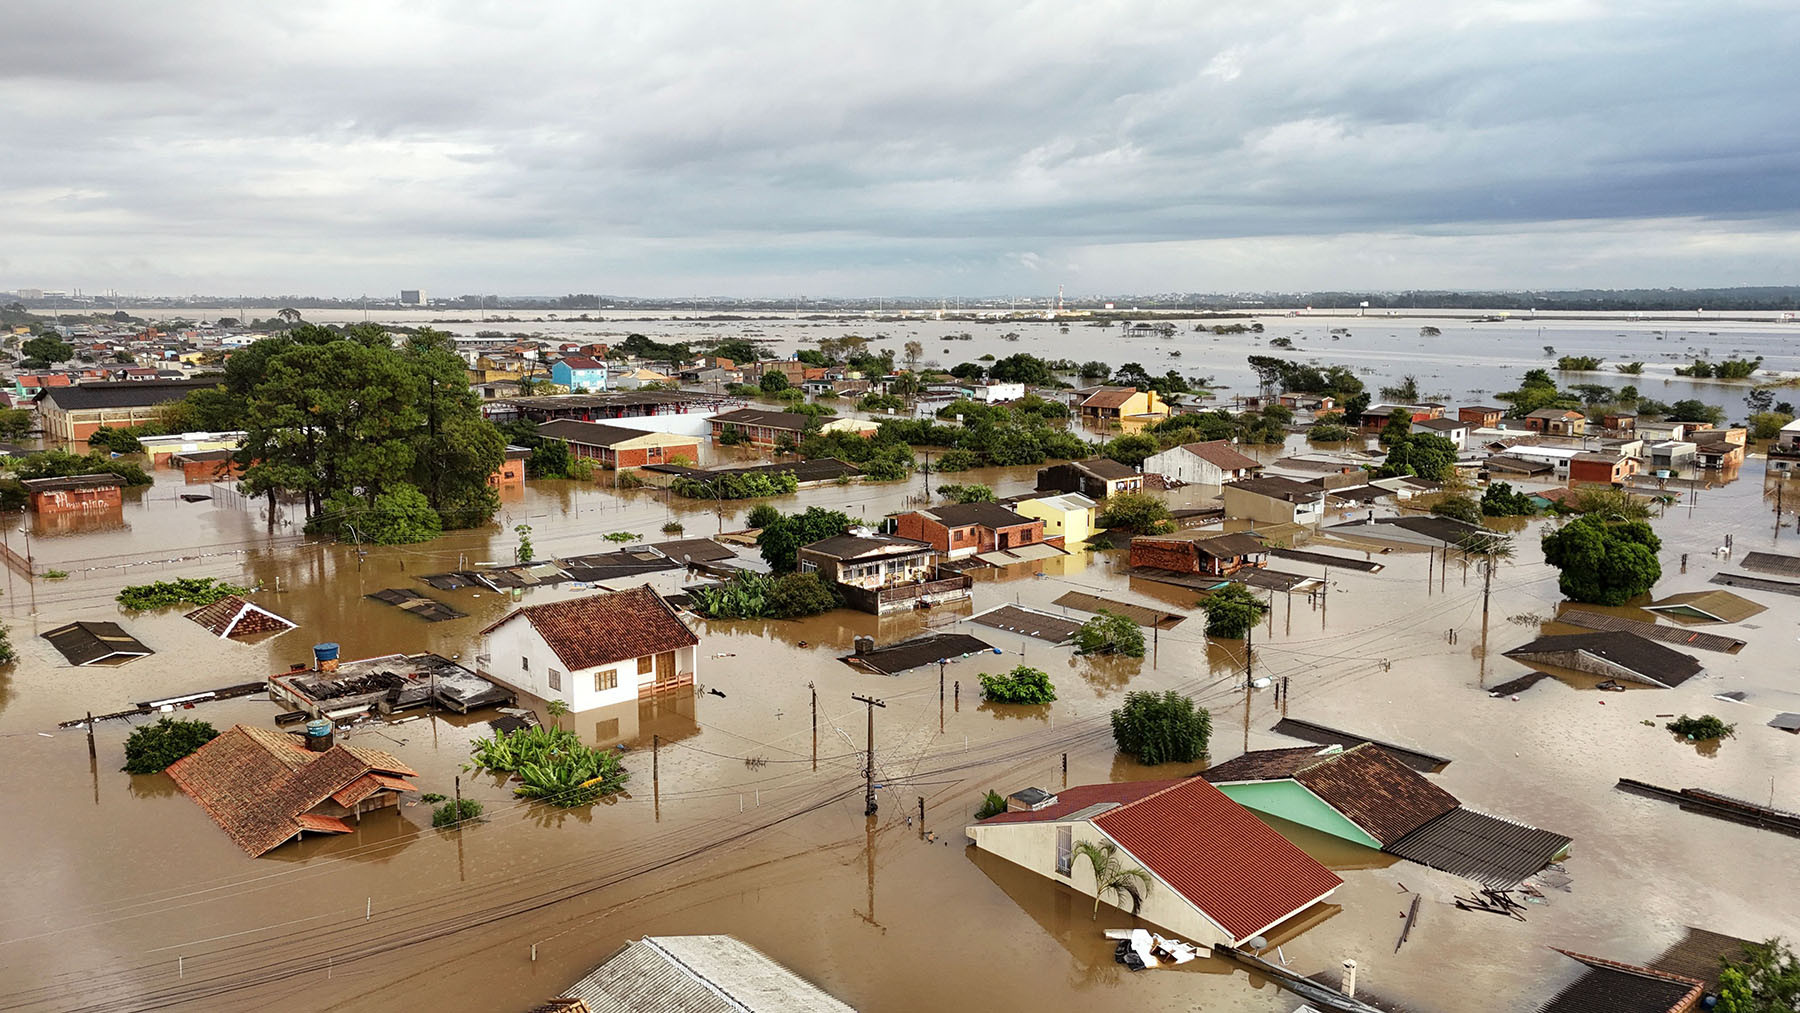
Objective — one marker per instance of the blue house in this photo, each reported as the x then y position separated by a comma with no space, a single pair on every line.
579,373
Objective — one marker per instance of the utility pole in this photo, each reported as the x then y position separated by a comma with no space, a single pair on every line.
869,806
656,774
815,719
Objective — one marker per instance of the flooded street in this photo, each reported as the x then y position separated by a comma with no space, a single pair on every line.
121,894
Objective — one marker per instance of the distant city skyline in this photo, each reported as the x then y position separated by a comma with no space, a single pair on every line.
774,151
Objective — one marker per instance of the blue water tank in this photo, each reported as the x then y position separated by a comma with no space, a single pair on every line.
325,652
318,735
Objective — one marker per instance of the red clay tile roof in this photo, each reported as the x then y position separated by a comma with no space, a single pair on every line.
1214,852
232,616
1383,796
356,790
604,628
322,824
1109,397
257,784
1221,454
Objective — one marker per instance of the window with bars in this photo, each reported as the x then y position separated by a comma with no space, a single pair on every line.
1065,849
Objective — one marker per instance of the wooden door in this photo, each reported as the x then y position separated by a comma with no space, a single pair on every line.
665,671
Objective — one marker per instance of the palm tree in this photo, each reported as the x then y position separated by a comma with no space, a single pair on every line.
1110,876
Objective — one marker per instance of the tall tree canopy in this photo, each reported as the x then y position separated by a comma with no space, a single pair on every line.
1607,563
383,443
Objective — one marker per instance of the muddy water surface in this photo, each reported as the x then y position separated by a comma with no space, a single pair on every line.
121,894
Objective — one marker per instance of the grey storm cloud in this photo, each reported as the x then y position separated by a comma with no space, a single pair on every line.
926,147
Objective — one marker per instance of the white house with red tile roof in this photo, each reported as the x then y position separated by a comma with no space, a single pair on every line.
1213,462
592,652
1220,875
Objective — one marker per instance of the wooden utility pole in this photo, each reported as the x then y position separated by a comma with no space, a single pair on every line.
458,800
656,774
869,805
815,719
92,754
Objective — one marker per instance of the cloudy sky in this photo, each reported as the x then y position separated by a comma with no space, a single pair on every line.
923,148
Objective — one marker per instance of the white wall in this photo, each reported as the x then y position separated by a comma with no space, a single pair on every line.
690,424
1176,463
518,656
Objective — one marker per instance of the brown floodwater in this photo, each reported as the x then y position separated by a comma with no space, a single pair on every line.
121,894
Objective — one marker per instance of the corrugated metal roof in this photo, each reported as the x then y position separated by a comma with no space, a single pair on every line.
1488,849
1667,634
1771,562
1612,987
698,974
1143,616
1029,623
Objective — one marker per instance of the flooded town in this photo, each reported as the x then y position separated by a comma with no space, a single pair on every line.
1119,507
1434,763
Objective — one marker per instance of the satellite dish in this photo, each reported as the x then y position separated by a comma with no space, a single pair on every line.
1259,943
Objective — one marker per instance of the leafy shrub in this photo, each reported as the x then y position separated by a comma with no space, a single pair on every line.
151,748
880,403
966,493
1161,728
189,591
1023,684
553,765
1135,511
1703,727
751,595
1110,633
449,814
739,485
432,797
1328,432
992,805
957,460
673,528
60,463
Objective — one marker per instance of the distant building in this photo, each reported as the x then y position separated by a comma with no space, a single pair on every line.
1212,553
618,447
75,493
1275,500
1096,478
579,373
1601,469
412,297
511,473
71,414
1213,462
1557,422
1481,416
1116,404
1454,430
968,528
760,427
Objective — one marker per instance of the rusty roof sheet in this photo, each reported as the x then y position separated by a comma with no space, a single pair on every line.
1221,858
604,628
1369,786
322,824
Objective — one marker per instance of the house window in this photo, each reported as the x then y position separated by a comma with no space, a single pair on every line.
646,664
1065,849
524,664
555,680
605,680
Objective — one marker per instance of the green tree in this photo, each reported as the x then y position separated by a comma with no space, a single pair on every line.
1232,610
1138,512
1110,633
1111,876
992,804
16,422
47,348
1131,449
800,594
1458,507
1500,500
781,539
1161,728
524,553
1421,455
151,748
1399,425
1767,425
1603,563
399,515
966,493
1023,684
1765,979
773,382
1690,410
7,654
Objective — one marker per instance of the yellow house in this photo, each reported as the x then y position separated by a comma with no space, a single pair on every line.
1118,404
1068,517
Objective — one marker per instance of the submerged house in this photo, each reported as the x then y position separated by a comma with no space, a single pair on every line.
1613,654
1213,462
1367,796
264,788
1219,875
592,652
1096,478
1210,552
880,573
75,493
964,529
